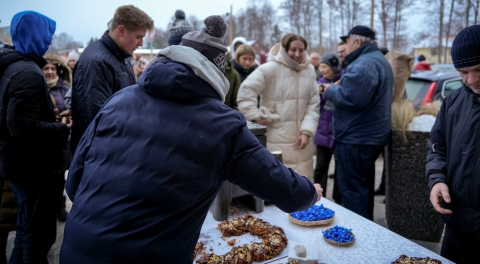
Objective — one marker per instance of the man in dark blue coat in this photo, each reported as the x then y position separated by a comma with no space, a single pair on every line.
152,161
453,164
104,67
31,142
361,118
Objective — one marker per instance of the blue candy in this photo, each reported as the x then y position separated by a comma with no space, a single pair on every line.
338,234
315,213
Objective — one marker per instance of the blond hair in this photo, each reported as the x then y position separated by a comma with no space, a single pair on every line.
131,18
244,49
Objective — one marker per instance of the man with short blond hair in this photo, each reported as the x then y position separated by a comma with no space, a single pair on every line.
104,66
453,167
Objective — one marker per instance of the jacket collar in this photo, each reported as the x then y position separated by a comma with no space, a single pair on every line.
364,49
240,69
113,47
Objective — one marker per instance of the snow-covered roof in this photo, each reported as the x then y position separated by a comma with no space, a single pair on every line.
432,42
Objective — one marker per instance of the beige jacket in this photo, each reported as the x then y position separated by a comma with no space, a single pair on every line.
290,101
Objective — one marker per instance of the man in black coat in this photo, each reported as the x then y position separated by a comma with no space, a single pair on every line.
104,67
31,143
453,164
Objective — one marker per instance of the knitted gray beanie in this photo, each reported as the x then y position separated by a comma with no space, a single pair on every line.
209,41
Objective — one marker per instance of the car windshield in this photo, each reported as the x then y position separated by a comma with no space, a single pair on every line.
416,90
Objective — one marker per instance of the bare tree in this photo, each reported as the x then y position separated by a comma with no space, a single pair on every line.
475,10
301,15
452,5
467,13
195,22
399,7
320,26
63,41
440,30
331,27
384,16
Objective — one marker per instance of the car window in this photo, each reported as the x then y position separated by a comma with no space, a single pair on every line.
451,86
417,89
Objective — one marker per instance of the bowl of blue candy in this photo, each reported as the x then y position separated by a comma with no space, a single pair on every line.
339,236
316,215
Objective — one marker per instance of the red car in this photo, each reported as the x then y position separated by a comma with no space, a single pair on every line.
424,87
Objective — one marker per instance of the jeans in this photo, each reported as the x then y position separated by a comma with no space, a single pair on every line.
356,176
36,221
459,249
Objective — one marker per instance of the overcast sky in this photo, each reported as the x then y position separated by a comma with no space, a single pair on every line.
84,19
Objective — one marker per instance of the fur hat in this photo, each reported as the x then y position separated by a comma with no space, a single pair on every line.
465,52
332,60
179,28
63,71
209,41
72,55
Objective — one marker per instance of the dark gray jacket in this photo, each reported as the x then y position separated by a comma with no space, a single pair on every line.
454,158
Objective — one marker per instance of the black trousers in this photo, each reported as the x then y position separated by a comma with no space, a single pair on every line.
459,249
320,175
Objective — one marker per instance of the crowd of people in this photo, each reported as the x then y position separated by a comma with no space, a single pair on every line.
148,145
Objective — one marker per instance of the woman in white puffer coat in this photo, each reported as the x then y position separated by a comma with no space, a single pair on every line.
289,105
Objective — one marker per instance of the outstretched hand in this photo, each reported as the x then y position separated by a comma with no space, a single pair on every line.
319,190
439,194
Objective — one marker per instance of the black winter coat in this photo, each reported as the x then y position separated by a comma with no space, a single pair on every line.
31,143
102,70
454,158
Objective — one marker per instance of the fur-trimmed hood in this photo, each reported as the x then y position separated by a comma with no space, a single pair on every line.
63,70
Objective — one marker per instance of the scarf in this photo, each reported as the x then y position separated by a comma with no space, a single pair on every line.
52,83
291,63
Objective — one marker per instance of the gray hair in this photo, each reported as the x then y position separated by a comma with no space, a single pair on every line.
364,40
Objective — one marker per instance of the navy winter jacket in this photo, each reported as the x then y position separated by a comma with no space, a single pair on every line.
102,70
151,163
454,159
362,101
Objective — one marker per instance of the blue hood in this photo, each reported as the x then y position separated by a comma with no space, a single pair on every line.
32,32
173,81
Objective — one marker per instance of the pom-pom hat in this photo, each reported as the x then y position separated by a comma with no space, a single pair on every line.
179,28
209,41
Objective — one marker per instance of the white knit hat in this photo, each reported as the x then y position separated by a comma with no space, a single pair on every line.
72,55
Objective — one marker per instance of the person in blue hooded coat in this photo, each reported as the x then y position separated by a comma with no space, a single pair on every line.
152,161
31,142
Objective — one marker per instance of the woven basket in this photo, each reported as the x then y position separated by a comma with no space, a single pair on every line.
341,244
311,223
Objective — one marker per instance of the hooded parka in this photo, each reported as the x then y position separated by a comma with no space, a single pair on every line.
293,95
152,161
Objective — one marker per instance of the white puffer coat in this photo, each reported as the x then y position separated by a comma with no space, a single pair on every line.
293,96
